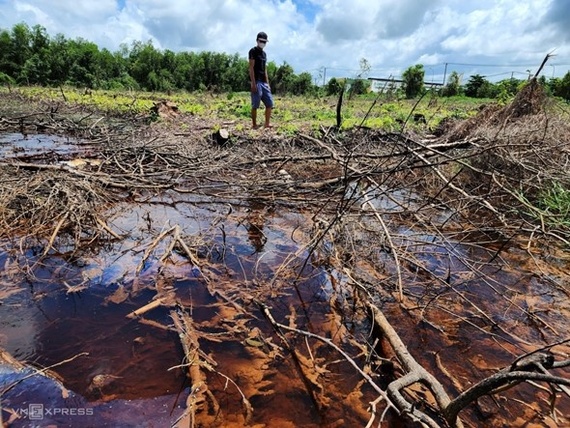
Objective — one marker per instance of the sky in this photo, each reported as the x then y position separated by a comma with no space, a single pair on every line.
497,39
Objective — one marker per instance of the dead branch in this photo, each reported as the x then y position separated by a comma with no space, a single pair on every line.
415,373
200,400
5,357
546,58
533,367
187,251
152,246
106,228
159,301
505,378
246,403
54,234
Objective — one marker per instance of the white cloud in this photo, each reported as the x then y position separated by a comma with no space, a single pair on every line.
341,21
558,15
510,32
311,34
399,18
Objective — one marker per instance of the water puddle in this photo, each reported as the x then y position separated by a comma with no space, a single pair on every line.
117,360
78,310
43,148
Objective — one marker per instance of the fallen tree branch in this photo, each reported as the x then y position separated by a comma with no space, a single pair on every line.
505,378
160,301
200,398
532,367
415,373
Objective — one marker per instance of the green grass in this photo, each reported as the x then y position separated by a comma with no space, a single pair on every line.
555,205
290,113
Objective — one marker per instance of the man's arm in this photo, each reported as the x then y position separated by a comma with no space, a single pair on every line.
252,75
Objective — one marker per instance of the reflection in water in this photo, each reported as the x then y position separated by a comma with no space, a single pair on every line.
36,146
142,359
256,220
138,364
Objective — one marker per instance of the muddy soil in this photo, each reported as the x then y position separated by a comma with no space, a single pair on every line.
175,281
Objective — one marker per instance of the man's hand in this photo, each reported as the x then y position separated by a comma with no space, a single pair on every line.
253,87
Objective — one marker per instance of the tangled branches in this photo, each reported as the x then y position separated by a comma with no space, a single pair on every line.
413,225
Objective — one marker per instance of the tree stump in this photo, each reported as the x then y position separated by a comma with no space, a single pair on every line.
164,109
221,136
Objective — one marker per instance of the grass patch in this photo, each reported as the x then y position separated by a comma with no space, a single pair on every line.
290,113
555,205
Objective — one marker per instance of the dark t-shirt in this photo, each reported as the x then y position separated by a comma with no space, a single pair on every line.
260,58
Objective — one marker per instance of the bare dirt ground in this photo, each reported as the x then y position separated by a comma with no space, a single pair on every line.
338,278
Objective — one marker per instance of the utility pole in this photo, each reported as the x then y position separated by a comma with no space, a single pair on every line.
444,74
324,75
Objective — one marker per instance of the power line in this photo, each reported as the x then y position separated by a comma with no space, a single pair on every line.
510,68
491,65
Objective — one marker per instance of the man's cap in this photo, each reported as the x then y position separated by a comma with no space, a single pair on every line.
261,36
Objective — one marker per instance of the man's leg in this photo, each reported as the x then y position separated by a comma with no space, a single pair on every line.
267,117
267,98
255,102
254,117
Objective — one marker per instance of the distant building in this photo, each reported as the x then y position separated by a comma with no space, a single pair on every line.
392,83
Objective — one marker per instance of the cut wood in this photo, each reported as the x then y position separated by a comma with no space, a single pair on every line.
160,301
221,136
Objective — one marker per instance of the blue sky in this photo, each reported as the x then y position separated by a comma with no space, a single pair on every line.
307,8
495,38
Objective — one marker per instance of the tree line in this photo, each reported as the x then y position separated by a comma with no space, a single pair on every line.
477,86
29,56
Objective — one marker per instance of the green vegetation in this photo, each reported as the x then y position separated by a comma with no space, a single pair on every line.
386,111
414,81
29,56
293,113
555,205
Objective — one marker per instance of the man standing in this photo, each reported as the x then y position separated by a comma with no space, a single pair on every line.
260,89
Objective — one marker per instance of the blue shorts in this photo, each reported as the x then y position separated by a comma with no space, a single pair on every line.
263,94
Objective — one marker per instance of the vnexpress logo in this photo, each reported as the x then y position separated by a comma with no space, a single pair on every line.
38,412
35,412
